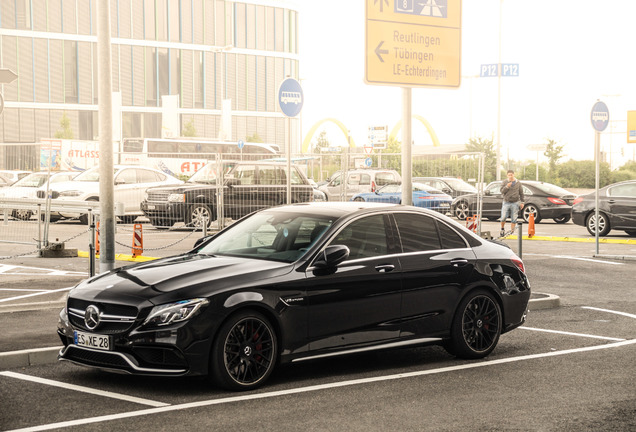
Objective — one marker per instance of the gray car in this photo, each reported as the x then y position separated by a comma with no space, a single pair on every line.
358,181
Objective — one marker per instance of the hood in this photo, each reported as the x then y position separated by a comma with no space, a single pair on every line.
19,192
75,185
182,188
195,275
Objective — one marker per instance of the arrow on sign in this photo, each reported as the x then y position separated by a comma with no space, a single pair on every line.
379,51
7,76
381,4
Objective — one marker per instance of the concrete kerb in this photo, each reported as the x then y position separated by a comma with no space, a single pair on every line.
40,356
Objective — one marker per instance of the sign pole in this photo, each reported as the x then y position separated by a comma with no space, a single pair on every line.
597,155
407,169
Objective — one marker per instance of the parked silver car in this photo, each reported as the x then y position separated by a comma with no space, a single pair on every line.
358,181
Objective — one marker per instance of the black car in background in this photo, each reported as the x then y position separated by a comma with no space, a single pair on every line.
449,185
247,186
617,209
296,283
543,200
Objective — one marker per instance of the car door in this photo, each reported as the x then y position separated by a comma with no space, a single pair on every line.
492,200
436,264
240,195
359,301
621,202
125,189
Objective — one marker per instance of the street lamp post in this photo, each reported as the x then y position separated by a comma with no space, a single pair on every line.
224,107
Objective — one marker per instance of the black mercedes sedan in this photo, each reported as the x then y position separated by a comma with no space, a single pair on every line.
617,209
542,200
294,283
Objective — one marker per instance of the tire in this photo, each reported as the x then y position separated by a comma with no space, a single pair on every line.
530,209
603,223
22,214
244,352
462,210
358,199
476,326
83,218
198,212
563,219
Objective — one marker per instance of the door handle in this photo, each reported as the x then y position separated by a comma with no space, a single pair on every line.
384,268
459,262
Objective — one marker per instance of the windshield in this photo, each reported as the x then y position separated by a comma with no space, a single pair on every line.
209,173
270,235
32,180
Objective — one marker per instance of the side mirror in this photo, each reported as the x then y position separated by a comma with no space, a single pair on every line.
487,192
331,256
201,240
447,191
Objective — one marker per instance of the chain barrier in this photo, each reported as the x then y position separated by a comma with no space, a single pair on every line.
49,247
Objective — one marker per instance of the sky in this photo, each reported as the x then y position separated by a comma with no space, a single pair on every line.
571,53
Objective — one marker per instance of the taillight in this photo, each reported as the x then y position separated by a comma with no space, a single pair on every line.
577,200
557,201
519,264
372,186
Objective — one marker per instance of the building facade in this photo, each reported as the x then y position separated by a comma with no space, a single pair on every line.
202,51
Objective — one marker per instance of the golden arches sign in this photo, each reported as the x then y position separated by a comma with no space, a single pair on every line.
422,120
345,131
315,127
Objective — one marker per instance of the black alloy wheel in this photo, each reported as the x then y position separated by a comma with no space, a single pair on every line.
603,224
462,210
476,326
244,352
529,209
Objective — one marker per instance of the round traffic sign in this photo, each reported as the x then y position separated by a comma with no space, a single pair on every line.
241,144
368,162
600,116
290,97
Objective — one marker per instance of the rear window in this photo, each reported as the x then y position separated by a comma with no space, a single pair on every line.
384,178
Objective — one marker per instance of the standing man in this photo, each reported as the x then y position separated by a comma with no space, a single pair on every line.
512,192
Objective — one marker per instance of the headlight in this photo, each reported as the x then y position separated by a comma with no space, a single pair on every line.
71,193
174,312
176,197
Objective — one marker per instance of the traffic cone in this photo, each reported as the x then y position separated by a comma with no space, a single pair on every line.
138,241
97,239
531,225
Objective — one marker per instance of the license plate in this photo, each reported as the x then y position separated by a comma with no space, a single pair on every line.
444,204
151,207
90,340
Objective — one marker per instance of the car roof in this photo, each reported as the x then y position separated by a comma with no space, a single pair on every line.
335,208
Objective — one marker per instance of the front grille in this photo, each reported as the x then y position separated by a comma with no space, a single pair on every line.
116,318
96,358
158,196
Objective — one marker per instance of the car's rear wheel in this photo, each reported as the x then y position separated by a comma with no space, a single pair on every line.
529,209
603,224
200,212
562,219
83,218
244,352
476,326
358,199
22,214
462,210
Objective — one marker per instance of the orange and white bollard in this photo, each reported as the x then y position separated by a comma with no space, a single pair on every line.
471,223
97,239
138,240
531,225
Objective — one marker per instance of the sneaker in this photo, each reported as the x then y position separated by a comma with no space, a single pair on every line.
502,233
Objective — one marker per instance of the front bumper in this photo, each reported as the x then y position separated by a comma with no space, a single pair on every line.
174,212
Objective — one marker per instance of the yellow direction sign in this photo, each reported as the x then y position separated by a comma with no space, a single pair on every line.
413,43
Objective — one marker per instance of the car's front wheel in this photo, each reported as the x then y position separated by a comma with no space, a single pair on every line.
22,214
476,326
358,199
562,219
244,352
462,210
200,212
603,224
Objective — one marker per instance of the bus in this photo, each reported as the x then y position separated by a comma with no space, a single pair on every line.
184,156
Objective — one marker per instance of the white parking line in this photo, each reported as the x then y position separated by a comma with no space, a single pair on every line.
200,404
34,294
84,389
609,311
576,258
23,270
572,334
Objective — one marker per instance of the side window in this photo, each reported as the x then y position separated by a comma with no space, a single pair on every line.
246,174
336,180
126,176
365,179
364,237
527,191
450,239
624,190
495,189
144,176
354,179
267,175
296,179
417,232
384,178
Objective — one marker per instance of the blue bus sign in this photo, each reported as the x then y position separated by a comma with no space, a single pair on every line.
599,116
241,144
290,97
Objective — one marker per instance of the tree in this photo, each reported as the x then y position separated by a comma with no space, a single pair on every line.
66,132
322,141
553,152
188,129
485,146
254,138
581,174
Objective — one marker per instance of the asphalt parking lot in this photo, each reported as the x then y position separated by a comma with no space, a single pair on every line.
570,367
